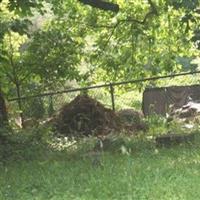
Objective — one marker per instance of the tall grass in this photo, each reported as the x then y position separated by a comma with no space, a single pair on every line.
145,172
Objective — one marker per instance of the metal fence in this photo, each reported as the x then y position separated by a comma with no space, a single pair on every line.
116,95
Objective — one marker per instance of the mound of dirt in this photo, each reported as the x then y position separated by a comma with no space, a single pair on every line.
132,120
85,116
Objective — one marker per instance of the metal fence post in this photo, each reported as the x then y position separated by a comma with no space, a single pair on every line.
51,106
112,96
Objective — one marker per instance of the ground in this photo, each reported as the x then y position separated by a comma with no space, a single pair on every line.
145,172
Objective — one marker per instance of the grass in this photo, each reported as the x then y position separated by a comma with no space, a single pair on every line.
145,173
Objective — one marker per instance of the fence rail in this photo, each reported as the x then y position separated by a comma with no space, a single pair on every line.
37,105
105,85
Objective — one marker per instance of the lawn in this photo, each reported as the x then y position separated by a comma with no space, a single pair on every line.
146,172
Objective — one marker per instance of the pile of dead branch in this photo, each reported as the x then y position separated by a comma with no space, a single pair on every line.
188,112
85,116
132,120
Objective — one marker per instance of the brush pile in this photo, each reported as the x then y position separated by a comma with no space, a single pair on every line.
85,116
132,120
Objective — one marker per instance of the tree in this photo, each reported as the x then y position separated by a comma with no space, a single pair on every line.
53,53
3,112
44,56
13,29
145,38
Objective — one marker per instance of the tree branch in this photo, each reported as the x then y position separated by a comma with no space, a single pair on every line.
152,11
9,76
107,6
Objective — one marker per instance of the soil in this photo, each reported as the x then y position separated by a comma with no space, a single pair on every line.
84,116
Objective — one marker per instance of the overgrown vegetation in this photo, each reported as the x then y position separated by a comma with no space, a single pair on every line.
37,165
50,45
37,53
130,167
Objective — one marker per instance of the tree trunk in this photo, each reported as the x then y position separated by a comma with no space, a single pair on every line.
20,103
3,111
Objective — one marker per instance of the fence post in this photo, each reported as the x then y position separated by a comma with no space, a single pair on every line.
51,106
112,96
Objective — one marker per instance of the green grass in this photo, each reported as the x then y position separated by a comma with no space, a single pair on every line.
146,173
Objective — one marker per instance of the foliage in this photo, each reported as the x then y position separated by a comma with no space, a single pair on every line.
34,108
13,35
56,58
50,43
23,8
77,42
99,45
159,125
146,173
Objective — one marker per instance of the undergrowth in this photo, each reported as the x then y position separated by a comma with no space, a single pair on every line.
41,166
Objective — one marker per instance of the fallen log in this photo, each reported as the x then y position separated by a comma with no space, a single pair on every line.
174,139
